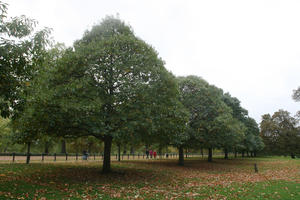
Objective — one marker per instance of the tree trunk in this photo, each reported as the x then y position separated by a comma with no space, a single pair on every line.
107,149
186,153
181,156
235,153
209,159
47,144
251,154
202,152
293,156
63,147
225,153
119,152
28,153
254,153
243,153
160,151
90,145
131,150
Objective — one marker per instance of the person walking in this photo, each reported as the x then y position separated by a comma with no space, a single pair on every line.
154,154
151,153
147,153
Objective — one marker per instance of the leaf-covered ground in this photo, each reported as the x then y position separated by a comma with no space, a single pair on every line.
278,178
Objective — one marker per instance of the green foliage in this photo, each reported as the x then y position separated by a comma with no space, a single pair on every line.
280,133
233,132
6,137
296,94
247,137
238,112
207,111
5,132
111,85
89,144
22,52
253,141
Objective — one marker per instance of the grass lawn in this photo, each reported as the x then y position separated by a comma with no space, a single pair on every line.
278,178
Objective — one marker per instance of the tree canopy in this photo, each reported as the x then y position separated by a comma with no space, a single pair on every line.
22,51
207,111
280,133
111,84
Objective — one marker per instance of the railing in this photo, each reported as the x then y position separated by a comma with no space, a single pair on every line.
42,157
60,157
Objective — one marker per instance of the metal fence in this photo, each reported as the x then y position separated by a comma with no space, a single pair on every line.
58,157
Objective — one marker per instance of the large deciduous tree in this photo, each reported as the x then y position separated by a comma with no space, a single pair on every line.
110,85
207,112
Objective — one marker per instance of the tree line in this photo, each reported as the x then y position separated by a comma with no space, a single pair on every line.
112,86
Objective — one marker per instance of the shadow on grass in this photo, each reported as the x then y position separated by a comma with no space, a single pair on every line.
75,173
218,164
138,171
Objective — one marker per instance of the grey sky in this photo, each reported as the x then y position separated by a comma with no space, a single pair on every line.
250,49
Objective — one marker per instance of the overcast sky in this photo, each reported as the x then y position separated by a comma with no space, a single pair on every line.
250,49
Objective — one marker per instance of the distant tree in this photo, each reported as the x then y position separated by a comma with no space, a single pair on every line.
236,128
5,132
89,144
296,94
296,97
232,132
280,133
253,141
207,112
267,131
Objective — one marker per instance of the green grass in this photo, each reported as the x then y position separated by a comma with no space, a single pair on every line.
260,190
278,178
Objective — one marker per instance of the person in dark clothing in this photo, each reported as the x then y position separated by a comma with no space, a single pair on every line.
147,153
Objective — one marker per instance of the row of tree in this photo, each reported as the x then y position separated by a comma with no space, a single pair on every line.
113,86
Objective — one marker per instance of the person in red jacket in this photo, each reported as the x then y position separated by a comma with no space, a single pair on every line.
154,154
